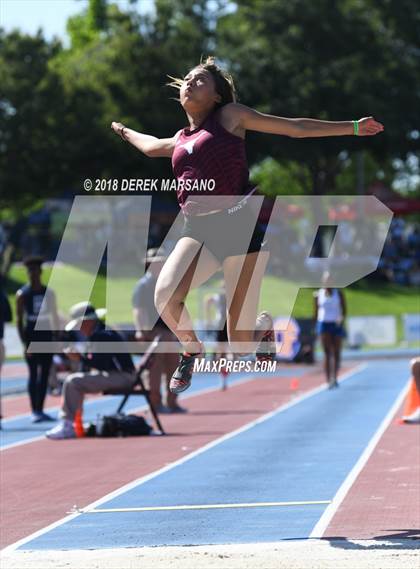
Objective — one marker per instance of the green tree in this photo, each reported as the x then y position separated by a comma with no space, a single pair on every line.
332,60
120,70
29,140
57,103
328,60
274,177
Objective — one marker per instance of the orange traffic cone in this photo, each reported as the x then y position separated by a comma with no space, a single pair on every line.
294,384
78,424
413,399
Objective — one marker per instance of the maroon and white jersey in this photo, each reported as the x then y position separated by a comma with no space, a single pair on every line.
209,154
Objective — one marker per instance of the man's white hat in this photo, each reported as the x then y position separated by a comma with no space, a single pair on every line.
83,311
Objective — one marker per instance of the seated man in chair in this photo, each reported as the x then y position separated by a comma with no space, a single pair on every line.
102,370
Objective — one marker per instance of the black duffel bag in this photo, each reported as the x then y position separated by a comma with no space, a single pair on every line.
120,425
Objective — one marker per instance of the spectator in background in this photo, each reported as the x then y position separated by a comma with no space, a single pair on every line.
414,275
145,315
397,228
102,370
329,315
413,239
36,306
5,316
400,255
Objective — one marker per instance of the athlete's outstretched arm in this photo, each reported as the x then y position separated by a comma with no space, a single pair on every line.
250,119
149,145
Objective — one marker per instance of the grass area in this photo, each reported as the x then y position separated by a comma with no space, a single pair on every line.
73,285
365,298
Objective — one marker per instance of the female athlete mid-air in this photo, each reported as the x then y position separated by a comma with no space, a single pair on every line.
212,147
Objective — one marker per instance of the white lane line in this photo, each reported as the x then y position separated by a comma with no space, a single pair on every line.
88,402
50,409
200,507
143,479
25,442
325,519
97,398
23,395
54,409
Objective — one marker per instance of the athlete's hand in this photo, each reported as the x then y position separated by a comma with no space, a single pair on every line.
118,128
368,126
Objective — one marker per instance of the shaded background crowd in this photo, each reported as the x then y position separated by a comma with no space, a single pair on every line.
40,232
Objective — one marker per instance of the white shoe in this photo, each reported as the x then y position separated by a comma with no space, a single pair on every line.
37,418
64,430
414,418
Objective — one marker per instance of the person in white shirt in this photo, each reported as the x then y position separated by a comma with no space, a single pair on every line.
329,315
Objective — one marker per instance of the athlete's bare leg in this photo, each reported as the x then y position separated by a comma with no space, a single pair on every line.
243,277
187,267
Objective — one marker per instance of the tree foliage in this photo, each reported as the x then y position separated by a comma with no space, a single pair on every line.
328,59
30,96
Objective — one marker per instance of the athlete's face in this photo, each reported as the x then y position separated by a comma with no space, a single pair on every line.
198,92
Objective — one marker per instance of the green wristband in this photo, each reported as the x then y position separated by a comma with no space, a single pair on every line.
355,128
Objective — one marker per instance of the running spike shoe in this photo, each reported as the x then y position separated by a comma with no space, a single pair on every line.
181,379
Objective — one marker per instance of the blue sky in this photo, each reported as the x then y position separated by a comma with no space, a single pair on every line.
50,15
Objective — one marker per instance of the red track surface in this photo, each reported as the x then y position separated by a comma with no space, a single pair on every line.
382,501
14,370
41,481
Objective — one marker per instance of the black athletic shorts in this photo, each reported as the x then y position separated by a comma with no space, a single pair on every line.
222,233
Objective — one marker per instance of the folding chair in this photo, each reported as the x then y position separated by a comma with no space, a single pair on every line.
138,386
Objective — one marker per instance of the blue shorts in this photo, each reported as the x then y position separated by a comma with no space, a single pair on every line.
330,328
